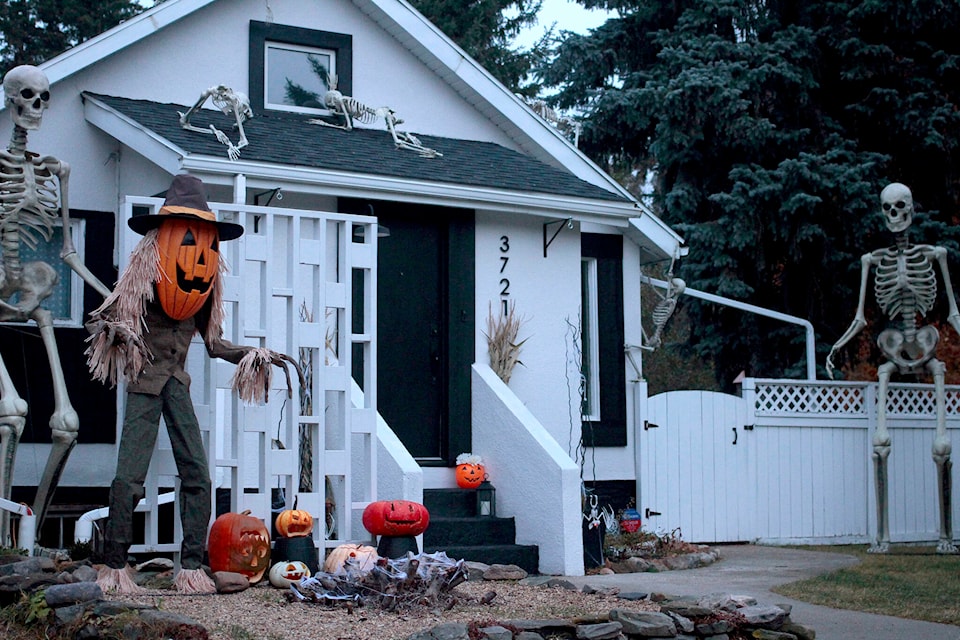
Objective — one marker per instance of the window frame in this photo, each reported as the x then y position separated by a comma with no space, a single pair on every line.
263,34
589,340
73,281
611,428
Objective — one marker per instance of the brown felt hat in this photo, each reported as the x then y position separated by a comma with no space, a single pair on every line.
185,199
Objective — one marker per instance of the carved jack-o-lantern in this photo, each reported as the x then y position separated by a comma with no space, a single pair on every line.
189,263
469,476
283,574
240,543
293,523
396,518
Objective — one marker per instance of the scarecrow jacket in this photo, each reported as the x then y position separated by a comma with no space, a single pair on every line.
169,341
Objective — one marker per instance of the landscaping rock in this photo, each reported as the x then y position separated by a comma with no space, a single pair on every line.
230,582
646,624
504,572
602,631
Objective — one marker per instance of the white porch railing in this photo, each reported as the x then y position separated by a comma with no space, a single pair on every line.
789,461
299,283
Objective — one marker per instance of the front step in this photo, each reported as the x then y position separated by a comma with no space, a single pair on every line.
460,533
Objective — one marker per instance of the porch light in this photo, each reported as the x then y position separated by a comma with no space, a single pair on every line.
486,499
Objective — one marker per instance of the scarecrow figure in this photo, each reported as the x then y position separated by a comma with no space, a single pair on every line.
171,290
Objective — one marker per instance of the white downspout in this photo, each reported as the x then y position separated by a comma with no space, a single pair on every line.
760,311
28,523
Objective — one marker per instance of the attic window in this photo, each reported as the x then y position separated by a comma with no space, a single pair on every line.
296,78
291,67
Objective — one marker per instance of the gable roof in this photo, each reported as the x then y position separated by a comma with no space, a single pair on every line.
289,139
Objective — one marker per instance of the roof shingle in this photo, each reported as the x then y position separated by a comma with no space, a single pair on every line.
289,139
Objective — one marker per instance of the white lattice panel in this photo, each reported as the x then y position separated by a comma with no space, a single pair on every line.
783,397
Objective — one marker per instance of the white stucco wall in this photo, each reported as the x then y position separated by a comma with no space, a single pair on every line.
546,292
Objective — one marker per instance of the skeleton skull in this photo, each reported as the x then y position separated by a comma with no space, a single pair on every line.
897,203
27,93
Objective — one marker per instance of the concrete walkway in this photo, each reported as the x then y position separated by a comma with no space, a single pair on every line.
754,570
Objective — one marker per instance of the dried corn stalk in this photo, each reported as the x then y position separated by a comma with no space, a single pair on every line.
502,344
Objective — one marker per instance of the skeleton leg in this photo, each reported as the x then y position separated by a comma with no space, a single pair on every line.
881,451
941,456
64,422
13,411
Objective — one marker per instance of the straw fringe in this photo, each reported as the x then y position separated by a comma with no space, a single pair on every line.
253,375
117,580
116,347
194,581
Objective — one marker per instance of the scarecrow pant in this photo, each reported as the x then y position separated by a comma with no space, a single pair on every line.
140,426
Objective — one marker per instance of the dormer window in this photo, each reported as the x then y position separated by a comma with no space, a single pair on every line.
291,68
296,77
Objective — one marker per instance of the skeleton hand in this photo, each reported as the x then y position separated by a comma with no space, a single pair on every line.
232,151
953,319
280,360
830,362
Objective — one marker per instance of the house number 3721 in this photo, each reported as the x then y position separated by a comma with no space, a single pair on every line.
504,281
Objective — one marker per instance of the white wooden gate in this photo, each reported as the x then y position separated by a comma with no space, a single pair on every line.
695,466
291,285
789,461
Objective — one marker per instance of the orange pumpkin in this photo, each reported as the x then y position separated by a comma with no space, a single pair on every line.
240,543
469,476
396,518
189,263
294,523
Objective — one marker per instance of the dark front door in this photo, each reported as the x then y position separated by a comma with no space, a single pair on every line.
425,325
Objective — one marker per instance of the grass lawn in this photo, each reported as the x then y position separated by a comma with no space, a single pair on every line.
908,582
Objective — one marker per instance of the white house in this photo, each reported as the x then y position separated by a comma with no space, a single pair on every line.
508,214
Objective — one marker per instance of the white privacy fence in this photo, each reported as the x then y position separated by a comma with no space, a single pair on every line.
788,461
301,283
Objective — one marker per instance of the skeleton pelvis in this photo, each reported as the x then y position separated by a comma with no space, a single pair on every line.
909,355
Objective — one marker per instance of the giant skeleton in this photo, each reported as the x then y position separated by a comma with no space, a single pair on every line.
905,286
33,199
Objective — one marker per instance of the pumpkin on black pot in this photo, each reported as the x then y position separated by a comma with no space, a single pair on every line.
396,518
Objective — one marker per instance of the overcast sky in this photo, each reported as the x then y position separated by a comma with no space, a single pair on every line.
568,15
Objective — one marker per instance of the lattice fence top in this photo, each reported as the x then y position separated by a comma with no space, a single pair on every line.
788,397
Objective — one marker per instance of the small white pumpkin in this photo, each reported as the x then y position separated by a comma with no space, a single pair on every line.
285,573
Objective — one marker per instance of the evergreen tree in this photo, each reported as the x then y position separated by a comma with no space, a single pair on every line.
770,127
485,29
32,31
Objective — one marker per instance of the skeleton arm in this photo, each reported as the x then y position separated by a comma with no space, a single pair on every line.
953,314
859,320
69,253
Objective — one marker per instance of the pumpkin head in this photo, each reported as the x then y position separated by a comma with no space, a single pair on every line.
361,557
240,543
189,263
293,523
469,476
396,518
283,574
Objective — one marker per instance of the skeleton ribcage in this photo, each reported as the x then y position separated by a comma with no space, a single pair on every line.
905,284
28,209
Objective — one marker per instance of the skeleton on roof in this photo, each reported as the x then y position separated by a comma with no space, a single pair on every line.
33,200
905,286
229,102
566,125
347,109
